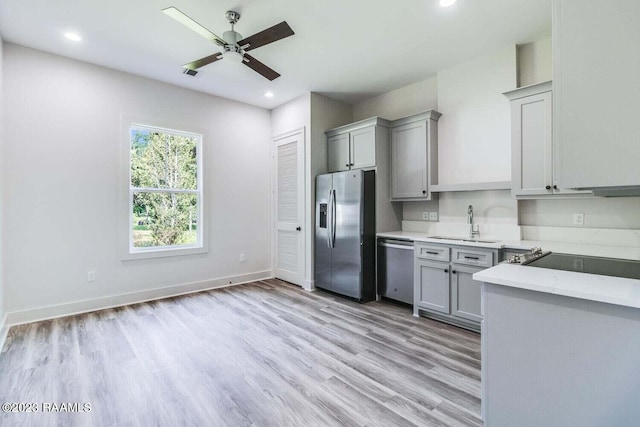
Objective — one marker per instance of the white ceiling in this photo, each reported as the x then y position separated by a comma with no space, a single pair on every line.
347,49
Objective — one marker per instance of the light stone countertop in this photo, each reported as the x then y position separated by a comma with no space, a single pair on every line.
622,252
607,289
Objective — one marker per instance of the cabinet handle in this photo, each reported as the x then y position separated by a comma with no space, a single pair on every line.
471,257
446,271
347,165
555,187
548,187
453,272
424,191
298,228
432,253
351,164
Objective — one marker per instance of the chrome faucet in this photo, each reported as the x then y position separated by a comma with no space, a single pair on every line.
473,231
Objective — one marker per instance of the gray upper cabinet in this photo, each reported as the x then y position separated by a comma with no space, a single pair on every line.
596,72
533,160
414,156
338,152
354,146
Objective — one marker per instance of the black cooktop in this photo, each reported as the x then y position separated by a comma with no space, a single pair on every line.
587,264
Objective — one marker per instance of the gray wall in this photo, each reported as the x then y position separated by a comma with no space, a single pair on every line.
534,66
2,180
65,180
619,212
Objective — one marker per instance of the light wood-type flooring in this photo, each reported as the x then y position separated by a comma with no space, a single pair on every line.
260,354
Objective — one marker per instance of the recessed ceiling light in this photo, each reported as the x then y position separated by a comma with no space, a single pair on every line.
447,3
268,94
73,36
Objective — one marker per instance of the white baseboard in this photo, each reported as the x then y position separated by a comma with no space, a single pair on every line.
4,330
84,306
309,285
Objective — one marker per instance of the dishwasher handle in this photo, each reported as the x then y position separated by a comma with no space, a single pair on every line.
396,246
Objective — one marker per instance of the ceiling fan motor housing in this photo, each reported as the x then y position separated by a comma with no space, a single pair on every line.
232,16
232,37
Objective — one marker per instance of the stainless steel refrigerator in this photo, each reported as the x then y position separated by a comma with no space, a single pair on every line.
345,234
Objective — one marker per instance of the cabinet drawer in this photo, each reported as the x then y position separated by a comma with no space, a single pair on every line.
472,257
436,253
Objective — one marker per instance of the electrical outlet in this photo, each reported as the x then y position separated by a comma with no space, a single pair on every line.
91,276
242,258
433,216
425,216
578,219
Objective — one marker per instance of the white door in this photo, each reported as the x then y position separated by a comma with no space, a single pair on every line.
289,207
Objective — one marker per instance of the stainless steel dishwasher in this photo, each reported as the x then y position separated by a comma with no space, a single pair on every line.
395,270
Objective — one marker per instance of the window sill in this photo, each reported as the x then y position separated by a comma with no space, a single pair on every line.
164,253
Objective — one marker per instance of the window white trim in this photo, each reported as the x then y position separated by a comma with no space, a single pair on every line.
128,252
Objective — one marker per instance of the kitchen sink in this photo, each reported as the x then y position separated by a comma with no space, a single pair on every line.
460,239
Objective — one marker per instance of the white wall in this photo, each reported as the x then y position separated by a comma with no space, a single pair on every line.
402,102
291,115
285,118
2,203
316,113
474,132
64,166
534,62
618,212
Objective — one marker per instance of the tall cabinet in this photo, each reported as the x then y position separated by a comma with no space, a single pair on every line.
596,74
414,156
534,162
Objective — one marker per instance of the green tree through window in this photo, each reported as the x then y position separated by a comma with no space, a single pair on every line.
164,192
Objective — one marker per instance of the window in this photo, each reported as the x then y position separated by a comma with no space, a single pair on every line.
165,191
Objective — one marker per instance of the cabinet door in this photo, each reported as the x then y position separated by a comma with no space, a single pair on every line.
466,293
596,69
338,152
363,148
409,161
432,286
532,145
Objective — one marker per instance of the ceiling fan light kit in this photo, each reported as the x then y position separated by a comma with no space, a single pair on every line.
234,47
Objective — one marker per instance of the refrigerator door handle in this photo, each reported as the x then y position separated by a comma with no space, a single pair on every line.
329,220
333,219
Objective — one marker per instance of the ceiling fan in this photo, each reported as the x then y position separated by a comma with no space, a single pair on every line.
234,47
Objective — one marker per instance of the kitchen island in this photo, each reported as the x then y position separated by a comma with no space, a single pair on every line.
559,348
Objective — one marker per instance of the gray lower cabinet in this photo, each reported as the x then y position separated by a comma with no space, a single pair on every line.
433,290
444,288
466,293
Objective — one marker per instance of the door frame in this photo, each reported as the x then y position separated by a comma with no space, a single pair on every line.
302,202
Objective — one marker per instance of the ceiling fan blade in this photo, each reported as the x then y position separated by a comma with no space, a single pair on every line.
193,25
259,67
270,35
194,65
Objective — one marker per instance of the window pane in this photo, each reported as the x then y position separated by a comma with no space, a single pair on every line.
164,219
163,160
